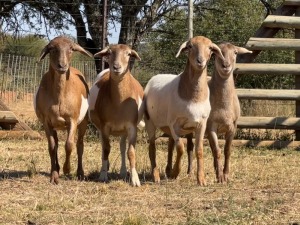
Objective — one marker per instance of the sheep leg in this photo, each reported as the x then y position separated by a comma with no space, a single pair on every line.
216,151
171,145
105,154
80,146
179,148
150,128
199,135
69,145
123,170
52,148
189,149
177,165
227,152
132,133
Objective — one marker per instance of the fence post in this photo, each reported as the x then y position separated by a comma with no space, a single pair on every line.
297,77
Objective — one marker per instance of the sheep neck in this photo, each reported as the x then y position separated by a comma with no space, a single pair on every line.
120,89
59,83
193,84
223,88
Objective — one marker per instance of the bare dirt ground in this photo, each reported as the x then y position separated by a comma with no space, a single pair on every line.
263,189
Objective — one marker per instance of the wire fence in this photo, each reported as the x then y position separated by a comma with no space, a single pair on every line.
20,76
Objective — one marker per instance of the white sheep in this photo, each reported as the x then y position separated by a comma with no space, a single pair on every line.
225,107
61,103
116,107
179,105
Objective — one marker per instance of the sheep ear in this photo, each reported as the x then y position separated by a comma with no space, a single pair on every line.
102,53
78,48
182,48
217,51
44,52
135,55
241,50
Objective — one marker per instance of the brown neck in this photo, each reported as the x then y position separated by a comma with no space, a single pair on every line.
120,90
193,84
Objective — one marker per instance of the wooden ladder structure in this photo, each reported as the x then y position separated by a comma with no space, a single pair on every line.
12,127
287,16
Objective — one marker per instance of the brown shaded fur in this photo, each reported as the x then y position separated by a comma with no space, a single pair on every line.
58,103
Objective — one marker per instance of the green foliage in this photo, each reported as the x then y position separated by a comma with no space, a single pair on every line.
28,45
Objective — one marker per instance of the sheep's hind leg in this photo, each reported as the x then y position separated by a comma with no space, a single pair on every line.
105,154
171,145
80,147
152,150
189,149
123,170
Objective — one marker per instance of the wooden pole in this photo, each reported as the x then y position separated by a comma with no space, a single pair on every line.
297,78
190,19
104,33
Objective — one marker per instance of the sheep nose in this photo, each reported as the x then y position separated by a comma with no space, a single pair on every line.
199,60
226,64
62,65
116,66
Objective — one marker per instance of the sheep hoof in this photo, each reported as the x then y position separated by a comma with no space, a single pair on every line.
123,173
54,177
135,181
201,181
67,168
155,175
80,175
175,173
168,171
103,176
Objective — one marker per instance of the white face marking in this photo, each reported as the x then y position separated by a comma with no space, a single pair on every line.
83,109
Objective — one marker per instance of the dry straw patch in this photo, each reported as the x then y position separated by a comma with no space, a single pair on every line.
264,189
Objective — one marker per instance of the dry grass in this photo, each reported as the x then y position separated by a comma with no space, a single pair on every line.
264,189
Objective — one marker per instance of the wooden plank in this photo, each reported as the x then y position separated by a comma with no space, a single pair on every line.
8,117
273,44
290,123
260,68
266,32
285,22
268,94
291,3
9,134
270,144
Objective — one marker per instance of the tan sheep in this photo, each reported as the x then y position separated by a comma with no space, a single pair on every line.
225,107
61,103
116,107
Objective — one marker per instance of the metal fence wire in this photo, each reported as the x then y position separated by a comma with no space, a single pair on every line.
20,76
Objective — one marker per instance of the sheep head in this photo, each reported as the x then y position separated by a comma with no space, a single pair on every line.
60,50
199,50
230,52
118,58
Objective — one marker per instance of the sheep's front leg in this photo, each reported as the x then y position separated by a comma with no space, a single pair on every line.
132,133
199,135
216,150
123,170
69,146
80,146
227,152
150,128
105,154
52,148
